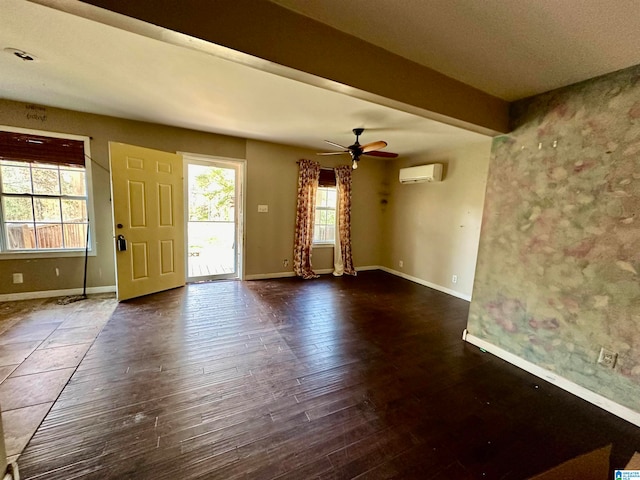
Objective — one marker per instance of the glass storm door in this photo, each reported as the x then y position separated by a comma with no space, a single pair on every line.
213,212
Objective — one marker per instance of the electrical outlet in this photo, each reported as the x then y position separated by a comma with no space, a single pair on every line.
17,278
285,262
454,279
607,358
401,264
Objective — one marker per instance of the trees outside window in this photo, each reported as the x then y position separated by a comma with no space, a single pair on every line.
324,228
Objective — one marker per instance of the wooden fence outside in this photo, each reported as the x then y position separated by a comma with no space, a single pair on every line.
49,236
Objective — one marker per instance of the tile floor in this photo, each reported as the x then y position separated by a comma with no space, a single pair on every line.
41,345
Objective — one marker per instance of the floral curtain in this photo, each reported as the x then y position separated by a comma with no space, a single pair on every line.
343,260
308,176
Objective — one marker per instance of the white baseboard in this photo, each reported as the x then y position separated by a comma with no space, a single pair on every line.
448,291
265,276
440,288
10,297
368,267
322,271
553,378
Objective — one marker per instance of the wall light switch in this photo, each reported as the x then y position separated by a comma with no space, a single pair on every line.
263,208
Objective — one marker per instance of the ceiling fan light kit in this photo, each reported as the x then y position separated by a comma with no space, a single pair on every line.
356,150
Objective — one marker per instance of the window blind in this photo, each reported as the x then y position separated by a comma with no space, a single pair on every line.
327,178
24,147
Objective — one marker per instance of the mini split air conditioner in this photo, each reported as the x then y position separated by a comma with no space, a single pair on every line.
421,173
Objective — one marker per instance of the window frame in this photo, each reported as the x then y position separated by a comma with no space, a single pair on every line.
6,254
330,243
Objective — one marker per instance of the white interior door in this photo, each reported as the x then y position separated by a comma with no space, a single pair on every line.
148,215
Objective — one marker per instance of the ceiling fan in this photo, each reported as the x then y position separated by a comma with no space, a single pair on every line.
356,150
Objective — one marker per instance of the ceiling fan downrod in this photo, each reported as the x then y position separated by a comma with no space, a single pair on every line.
355,149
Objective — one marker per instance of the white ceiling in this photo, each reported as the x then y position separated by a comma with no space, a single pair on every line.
511,49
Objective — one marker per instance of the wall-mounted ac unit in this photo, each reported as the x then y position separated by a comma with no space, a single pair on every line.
421,173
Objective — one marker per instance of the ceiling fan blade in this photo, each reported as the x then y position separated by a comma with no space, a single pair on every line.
369,147
337,145
382,154
332,153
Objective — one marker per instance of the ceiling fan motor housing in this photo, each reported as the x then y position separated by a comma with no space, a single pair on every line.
355,151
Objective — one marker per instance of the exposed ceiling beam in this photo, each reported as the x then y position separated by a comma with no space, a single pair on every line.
269,32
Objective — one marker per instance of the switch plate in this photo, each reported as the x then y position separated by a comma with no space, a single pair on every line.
263,208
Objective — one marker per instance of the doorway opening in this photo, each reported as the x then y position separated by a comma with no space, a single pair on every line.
213,217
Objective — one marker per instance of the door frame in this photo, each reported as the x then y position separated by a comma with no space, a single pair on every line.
240,165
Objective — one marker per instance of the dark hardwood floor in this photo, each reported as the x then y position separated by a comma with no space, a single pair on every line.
334,378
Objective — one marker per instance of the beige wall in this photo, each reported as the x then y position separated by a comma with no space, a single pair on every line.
271,179
39,274
434,228
272,174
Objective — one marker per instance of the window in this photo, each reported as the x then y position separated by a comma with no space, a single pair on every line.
45,201
324,227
